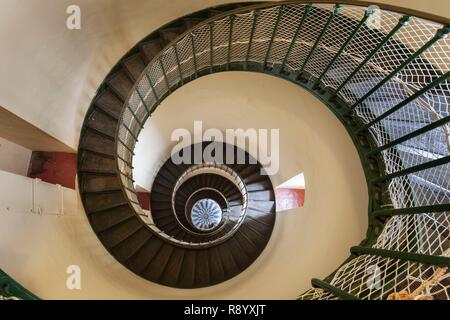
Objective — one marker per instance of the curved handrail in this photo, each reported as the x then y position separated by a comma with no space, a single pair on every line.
12,290
190,172
417,41
227,173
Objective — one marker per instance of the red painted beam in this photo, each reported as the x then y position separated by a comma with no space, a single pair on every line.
144,200
289,198
54,167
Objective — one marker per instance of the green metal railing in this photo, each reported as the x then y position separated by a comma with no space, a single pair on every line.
387,83
12,290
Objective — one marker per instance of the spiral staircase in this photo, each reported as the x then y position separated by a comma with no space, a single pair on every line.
210,246
382,71
171,249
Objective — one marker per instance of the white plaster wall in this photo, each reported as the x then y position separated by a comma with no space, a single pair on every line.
49,79
50,74
14,158
307,242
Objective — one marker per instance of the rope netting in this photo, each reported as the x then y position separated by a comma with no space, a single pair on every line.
374,277
317,294
372,77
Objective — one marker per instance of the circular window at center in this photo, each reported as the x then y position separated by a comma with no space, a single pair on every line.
206,214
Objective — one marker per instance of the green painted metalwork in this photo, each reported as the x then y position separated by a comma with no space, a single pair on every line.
130,132
366,146
194,56
135,202
402,22
126,161
410,135
211,45
126,176
152,86
177,57
274,33
400,105
230,40
135,116
332,289
419,167
412,210
142,100
308,9
252,33
166,80
11,289
404,256
369,12
126,146
319,38
439,35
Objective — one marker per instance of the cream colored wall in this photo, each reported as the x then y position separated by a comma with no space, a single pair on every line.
14,158
23,133
437,7
49,79
307,242
51,73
